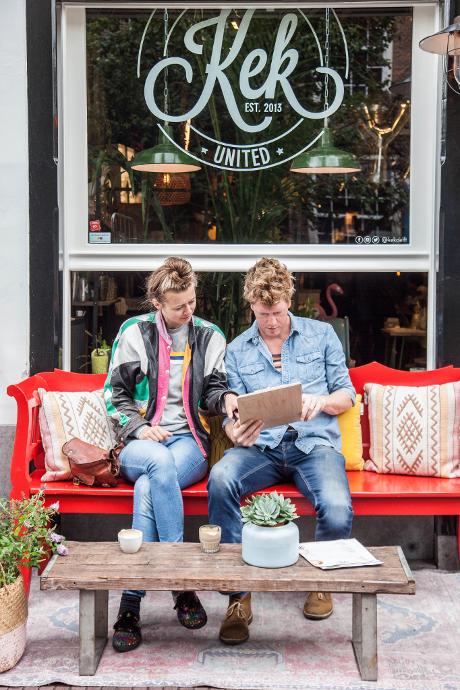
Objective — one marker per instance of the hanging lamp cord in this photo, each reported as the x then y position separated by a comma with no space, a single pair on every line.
165,71
326,63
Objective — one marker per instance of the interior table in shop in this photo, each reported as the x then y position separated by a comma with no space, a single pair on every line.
399,334
94,568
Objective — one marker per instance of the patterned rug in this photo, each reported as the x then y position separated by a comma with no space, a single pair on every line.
418,643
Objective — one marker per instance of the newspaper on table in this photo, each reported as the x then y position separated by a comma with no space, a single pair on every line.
338,553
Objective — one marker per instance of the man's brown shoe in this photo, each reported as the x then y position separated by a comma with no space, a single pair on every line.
235,626
318,605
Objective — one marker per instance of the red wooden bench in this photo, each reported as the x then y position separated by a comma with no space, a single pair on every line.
372,494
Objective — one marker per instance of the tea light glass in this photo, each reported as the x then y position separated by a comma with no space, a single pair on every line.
210,538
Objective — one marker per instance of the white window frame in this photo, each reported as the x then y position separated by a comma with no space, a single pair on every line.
419,255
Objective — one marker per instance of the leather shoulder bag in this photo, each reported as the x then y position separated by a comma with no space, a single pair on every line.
92,465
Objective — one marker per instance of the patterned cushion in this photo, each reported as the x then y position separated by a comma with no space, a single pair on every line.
414,430
65,415
350,428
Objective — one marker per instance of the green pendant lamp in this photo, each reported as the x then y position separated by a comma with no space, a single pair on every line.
165,157
325,158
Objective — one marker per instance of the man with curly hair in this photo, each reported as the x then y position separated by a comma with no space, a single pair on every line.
281,348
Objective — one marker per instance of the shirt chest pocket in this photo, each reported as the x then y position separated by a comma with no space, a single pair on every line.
253,376
310,366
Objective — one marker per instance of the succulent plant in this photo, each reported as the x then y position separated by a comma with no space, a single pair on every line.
268,510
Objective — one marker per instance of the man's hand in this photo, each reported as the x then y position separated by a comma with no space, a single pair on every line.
244,434
312,405
154,433
231,405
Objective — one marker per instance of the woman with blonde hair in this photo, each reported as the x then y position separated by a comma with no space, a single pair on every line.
165,366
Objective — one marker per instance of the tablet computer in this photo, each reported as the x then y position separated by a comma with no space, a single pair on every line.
274,406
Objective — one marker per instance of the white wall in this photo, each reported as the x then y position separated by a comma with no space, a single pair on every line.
14,204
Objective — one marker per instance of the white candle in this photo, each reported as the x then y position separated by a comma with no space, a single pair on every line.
130,540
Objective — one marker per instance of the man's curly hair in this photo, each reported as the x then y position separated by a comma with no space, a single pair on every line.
268,281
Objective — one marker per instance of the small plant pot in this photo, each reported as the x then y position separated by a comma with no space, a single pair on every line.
270,547
13,621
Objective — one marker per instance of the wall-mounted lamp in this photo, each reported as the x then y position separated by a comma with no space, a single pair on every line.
447,42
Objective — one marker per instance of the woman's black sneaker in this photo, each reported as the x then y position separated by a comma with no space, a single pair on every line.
127,635
190,612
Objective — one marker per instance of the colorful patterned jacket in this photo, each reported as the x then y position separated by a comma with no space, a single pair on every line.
136,388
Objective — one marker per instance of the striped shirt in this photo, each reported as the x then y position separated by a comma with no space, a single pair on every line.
276,359
173,418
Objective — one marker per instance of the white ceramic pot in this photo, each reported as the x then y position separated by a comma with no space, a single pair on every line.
270,547
13,621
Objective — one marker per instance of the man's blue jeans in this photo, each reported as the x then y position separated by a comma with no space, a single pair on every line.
160,471
319,475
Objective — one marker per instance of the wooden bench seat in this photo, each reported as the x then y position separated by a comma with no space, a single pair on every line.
372,494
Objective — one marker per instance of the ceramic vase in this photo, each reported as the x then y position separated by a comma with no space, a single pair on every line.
270,547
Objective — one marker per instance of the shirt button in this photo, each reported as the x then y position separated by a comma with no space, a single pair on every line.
163,397
167,371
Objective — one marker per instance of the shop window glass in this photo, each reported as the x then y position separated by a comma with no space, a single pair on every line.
269,204
378,316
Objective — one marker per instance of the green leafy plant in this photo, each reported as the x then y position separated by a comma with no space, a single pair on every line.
268,510
27,535
309,309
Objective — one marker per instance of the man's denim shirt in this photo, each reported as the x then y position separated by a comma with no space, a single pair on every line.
313,355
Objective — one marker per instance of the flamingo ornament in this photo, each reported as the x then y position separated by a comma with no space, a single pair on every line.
322,316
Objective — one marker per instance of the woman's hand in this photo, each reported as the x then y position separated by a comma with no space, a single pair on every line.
244,434
154,433
231,405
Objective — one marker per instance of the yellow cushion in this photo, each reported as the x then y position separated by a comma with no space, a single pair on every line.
352,442
350,428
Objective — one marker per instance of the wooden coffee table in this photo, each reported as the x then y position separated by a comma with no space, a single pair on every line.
96,567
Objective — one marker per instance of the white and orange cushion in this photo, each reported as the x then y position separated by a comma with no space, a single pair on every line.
414,430
63,416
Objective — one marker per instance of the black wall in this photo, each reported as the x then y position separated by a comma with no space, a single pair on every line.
448,283
43,244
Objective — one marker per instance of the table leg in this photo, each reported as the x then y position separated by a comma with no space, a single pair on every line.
401,353
364,637
394,345
93,629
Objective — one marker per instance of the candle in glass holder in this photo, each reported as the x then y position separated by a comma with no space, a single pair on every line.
210,538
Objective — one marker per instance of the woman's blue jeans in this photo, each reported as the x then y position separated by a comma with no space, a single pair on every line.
159,471
319,475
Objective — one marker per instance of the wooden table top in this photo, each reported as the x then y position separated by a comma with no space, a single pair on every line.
171,566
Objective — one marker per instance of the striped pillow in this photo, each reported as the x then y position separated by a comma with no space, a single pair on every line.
414,430
63,416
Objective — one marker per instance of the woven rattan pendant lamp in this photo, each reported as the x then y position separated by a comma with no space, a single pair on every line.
325,158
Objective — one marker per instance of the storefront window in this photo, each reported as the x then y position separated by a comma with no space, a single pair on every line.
224,202
378,316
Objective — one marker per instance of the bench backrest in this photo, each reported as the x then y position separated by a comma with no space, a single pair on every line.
28,447
27,444
379,373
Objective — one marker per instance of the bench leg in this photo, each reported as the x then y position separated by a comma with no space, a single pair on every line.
93,629
364,638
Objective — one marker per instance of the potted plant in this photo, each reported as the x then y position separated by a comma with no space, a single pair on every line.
27,537
270,538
